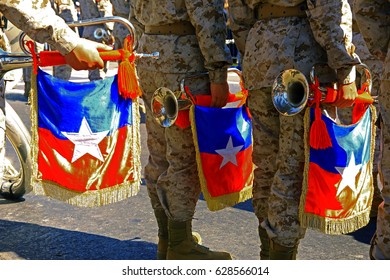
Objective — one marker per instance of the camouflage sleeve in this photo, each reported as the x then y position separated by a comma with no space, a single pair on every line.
208,19
241,20
373,19
139,28
331,23
40,22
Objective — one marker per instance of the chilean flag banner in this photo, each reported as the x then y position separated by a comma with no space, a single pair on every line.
223,144
85,141
338,182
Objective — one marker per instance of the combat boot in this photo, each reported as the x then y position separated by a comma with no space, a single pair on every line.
264,246
181,245
279,252
162,245
162,222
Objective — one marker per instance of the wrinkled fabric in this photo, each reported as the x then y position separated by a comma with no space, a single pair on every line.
171,172
67,11
373,18
90,9
205,51
37,19
345,115
120,8
269,47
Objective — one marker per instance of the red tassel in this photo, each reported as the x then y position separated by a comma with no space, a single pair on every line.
31,47
127,77
319,136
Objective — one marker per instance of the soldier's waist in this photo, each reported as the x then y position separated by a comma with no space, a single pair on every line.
268,11
178,28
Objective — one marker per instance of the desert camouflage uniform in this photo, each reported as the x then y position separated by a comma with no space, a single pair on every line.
67,11
270,46
373,18
171,173
121,8
90,9
37,19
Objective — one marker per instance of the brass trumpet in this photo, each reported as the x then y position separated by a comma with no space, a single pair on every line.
291,91
166,104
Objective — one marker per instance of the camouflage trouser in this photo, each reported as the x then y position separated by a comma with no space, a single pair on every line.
171,172
278,153
382,242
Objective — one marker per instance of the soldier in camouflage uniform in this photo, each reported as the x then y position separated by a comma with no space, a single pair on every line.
39,21
190,37
274,36
120,8
90,9
373,18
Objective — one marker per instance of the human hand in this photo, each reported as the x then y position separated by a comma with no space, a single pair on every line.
85,55
219,94
346,95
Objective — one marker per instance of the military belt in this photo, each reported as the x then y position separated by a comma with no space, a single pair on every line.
269,11
178,28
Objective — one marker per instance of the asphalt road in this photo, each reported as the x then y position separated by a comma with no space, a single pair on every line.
41,228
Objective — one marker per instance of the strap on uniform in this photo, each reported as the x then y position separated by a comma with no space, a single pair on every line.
268,11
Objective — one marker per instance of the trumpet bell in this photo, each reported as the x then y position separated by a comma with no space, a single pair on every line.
164,107
290,92
99,33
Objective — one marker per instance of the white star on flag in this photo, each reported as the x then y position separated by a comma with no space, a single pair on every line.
85,141
229,154
348,175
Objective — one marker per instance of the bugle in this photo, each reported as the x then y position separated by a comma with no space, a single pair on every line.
291,91
166,104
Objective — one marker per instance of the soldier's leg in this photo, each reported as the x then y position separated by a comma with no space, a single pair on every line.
381,243
27,81
265,148
282,223
157,164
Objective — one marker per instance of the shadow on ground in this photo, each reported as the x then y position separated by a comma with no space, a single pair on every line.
365,234
35,242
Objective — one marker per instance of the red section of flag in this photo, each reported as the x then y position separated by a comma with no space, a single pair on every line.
229,178
55,155
321,192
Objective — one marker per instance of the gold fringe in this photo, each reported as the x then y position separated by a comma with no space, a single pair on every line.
89,198
223,201
336,226
332,225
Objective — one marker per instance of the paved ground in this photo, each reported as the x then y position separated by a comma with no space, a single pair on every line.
40,228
